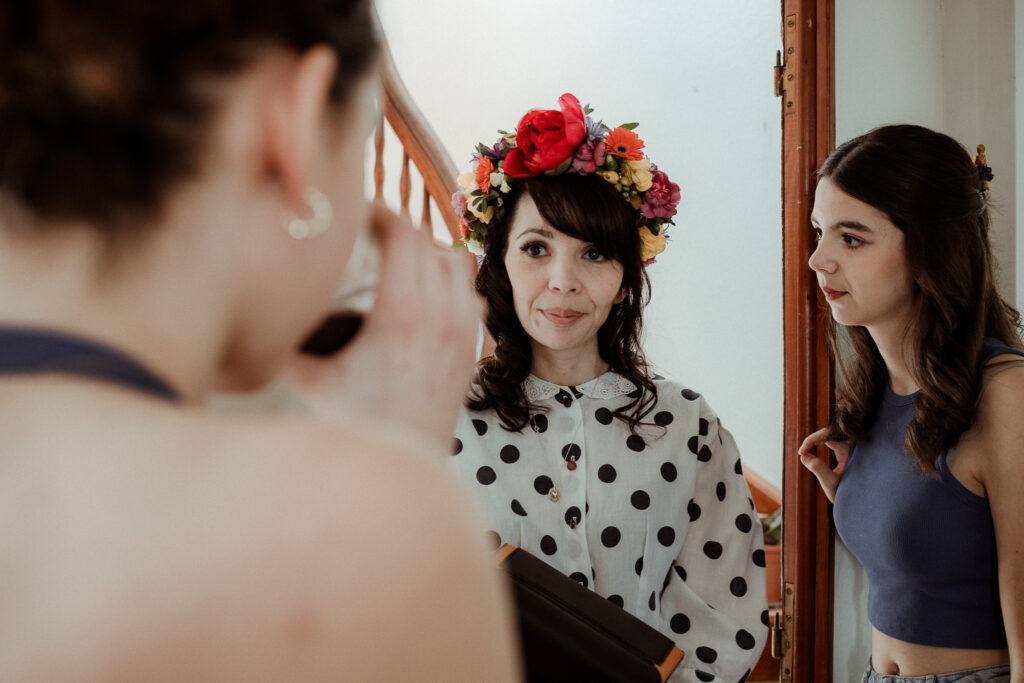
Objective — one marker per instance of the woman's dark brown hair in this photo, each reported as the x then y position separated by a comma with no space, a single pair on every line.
590,209
928,186
104,103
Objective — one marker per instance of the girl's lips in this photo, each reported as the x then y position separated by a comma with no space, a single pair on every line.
832,294
561,316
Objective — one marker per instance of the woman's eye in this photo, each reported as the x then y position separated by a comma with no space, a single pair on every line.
593,254
534,248
851,241
817,234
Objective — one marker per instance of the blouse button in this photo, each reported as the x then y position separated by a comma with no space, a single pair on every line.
553,494
571,465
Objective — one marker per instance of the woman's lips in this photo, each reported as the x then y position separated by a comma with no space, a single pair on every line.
832,294
561,316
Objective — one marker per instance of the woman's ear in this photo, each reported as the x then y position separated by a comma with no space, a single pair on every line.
296,121
621,296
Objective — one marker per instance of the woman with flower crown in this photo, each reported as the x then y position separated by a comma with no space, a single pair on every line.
623,480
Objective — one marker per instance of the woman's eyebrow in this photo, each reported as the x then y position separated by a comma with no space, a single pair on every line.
543,232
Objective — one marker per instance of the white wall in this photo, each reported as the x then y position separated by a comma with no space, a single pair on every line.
698,78
948,65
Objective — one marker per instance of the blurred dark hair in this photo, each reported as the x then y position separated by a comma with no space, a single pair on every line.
590,209
928,186
101,109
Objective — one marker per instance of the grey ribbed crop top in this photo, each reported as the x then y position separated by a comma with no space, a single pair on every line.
926,542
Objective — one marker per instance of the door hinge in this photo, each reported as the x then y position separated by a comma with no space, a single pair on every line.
784,634
786,68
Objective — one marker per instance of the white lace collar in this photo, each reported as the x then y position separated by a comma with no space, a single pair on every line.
608,385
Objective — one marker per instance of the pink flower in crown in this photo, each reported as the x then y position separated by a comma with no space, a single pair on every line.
662,199
589,155
545,139
459,203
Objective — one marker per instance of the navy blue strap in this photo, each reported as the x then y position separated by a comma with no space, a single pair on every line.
25,350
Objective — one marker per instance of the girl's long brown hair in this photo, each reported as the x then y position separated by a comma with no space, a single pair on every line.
928,186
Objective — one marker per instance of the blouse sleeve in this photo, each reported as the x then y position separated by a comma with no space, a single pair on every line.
714,602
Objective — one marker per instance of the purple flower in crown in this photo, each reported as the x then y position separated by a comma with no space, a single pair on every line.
985,172
500,149
595,129
588,156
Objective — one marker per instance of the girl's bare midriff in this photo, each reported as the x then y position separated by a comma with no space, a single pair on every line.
892,656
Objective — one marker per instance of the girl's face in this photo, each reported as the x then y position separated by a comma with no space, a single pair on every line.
563,288
860,261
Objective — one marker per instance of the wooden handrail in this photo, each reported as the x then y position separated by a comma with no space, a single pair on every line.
420,145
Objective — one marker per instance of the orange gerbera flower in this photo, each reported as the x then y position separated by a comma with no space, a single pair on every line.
483,174
624,143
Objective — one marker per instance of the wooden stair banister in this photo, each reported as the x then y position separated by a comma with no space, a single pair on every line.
420,145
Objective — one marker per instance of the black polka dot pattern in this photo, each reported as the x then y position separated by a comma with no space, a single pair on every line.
543,484
509,454
640,500
606,473
679,623
706,654
539,423
610,537
671,497
486,476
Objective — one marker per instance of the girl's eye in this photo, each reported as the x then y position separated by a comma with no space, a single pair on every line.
851,241
817,234
593,254
534,248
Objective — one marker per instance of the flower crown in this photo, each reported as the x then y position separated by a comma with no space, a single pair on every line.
552,142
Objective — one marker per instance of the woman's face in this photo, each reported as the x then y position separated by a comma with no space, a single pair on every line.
860,261
563,288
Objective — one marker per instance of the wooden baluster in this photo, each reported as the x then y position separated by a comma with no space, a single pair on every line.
404,183
425,220
378,163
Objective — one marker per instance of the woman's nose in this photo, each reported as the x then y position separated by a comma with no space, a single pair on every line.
563,276
821,262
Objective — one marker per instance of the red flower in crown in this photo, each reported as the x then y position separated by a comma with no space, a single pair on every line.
546,139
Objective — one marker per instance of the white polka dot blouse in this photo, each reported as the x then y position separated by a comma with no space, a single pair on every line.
661,523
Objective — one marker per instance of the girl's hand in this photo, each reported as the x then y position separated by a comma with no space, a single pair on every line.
413,357
828,478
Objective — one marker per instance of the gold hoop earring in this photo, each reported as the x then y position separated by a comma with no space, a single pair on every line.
322,213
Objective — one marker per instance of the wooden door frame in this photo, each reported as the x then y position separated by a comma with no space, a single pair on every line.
808,135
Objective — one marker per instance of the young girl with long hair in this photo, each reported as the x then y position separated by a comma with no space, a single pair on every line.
930,395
